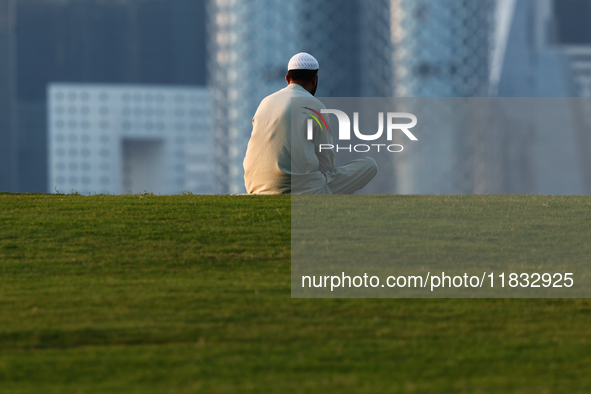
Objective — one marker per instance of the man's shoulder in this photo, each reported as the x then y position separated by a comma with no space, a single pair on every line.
305,98
287,94
276,96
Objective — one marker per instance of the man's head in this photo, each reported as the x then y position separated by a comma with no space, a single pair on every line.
303,70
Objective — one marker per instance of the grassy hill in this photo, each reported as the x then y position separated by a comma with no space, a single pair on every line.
190,294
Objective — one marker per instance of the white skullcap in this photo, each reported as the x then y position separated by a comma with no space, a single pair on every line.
302,61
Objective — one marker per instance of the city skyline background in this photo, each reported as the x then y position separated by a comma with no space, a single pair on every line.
237,52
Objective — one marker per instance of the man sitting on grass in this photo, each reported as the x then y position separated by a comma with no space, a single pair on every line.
276,163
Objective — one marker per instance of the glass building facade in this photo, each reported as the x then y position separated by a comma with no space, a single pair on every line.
93,41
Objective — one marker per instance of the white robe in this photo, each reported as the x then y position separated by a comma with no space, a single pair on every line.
276,163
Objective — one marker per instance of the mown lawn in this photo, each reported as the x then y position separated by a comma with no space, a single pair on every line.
191,294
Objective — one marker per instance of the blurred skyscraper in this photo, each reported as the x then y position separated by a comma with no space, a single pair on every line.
92,41
507,48
547,49
547,54
441,49
129,139
8,141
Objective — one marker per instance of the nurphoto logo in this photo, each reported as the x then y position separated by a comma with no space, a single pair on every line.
345,130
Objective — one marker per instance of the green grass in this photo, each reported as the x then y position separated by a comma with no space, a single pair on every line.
191,294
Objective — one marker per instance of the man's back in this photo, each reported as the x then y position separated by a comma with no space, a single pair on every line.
268,161
282,158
